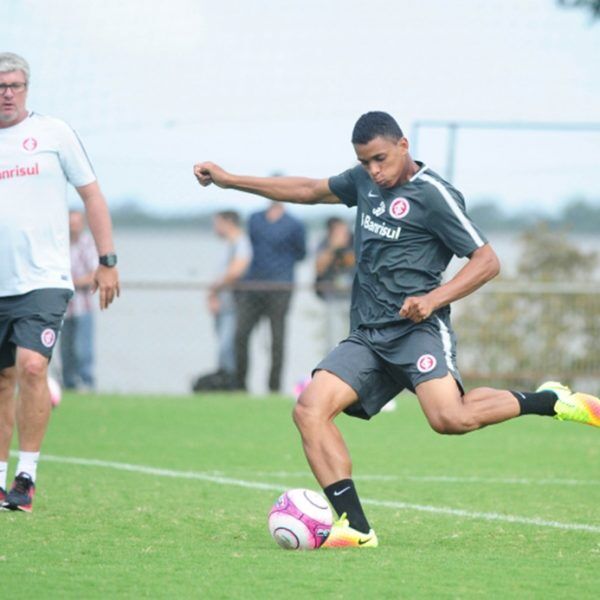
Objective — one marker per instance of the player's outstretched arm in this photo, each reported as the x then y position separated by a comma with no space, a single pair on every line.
106,279
299,190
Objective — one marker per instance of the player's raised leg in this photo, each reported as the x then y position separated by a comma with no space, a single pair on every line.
325,398
7,420
450,412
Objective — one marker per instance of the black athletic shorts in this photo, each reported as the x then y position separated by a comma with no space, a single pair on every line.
378,363
31,321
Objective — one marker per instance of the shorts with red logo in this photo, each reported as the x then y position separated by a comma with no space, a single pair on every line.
33,321
379,363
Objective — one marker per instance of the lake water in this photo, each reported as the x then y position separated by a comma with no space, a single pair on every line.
158,336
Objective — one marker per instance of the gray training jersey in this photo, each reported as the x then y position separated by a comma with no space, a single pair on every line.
404,239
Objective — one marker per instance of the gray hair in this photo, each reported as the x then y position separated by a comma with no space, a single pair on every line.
13,62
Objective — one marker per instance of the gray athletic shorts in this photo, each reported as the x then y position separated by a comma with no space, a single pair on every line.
31,321
378,363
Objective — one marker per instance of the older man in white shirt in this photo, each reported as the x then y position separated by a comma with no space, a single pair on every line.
39,156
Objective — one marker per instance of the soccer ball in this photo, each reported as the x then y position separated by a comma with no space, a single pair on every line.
55,392
300,386
300,520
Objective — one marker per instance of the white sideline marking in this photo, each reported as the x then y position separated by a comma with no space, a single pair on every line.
119,466
485,516
255,485
506,480
438,478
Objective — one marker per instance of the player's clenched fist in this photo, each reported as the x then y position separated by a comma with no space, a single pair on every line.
207,173
417,308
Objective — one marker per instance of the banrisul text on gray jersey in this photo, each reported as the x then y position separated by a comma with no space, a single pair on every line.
391,233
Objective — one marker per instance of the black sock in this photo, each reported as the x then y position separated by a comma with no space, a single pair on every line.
536,403
342,495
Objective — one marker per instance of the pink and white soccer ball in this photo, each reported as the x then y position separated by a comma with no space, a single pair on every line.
300,386
300,520
55,391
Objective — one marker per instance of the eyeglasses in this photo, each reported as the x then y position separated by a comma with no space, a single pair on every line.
16,88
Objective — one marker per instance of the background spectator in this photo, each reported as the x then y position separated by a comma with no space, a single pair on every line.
77,335
335,266
233,264
278,242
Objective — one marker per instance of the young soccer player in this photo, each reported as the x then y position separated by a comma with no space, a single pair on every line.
409,224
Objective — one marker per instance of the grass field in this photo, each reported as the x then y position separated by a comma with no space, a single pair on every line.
168,497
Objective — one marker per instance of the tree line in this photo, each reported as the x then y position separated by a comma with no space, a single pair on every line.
578,215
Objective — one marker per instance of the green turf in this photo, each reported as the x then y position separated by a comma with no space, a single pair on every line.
100,532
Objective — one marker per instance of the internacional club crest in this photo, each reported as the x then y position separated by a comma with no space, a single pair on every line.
426,363
399,208
29,144
48,337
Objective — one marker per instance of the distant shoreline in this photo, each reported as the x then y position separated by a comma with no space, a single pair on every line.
578,216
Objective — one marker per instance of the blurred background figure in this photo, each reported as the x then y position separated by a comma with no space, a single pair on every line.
335,267
278,243
77,335
234,262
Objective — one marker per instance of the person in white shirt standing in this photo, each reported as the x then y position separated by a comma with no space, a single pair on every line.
222,294
77,334
39,156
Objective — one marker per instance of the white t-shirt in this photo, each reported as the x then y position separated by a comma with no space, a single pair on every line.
38,157
240,248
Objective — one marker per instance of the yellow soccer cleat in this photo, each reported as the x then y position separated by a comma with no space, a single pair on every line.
343,536
578,407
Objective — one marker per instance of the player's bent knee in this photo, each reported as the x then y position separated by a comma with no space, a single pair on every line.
314,409
450,423
304,417
306,410
32,367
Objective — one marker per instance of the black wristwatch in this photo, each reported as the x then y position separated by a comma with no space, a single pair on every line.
108,260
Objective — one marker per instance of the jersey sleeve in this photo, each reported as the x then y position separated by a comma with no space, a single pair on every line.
73,158
448,220
344,187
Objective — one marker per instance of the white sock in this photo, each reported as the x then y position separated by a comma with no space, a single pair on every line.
28,463
3,469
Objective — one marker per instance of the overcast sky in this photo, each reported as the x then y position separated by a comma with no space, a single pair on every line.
263,85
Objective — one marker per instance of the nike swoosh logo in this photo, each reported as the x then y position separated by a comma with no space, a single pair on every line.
340,492
363,542
372,195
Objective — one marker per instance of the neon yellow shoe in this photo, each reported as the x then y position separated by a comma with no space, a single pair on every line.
343,536
578,407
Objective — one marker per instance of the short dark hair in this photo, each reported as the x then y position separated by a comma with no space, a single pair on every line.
376,124
230,215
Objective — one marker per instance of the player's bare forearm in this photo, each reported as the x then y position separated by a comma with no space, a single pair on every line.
298,190
98,217
106,279
483,266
